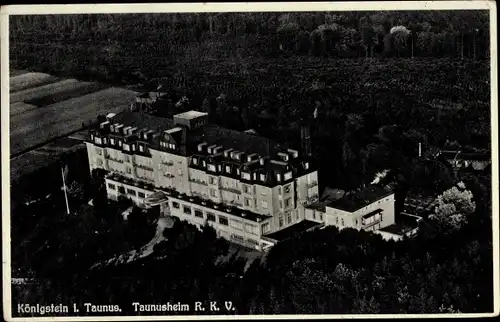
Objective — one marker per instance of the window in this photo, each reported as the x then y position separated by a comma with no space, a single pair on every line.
281,204
133,147
296,215
210,216
112,141
342,222
187,210
279,190
175,205
281,221
195,161
111,186
119,143
228,169
321,217
223,221
98,151
288,202
212,180
314,215
246,176
131,192
179,171
141,148
99,162
288,218
288,188
288,175
213,193
265,227
278,177
121,189
198,213
337,220
98,140
141,194
247,188
263,204
357,222
129,170
211,167
247,202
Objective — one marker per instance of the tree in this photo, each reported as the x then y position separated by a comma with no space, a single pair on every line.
454,206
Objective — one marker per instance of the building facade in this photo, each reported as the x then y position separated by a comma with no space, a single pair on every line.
369,209
242,185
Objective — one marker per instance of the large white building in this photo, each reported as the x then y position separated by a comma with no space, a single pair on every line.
245,186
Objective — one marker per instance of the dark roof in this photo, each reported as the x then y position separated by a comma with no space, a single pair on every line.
241,141
357,200
143,120
293,230
371,213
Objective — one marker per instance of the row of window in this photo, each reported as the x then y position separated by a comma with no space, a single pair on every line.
288,218
129,191
166,145
223,220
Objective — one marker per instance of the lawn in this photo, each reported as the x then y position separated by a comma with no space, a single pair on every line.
55,92
29,80
40,125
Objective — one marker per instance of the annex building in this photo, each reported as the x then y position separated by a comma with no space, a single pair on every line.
250,189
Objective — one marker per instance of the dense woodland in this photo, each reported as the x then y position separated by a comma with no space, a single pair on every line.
381,82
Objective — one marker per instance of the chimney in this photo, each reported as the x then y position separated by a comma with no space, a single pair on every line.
227,153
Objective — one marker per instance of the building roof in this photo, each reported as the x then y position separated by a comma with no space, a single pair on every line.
293,230
357,200
190,115
241,141
143,120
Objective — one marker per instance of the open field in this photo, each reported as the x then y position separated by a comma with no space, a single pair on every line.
54,92
29,80
40,125
20,107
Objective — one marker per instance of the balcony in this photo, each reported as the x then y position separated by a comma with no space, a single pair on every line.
167,163
198,181
110,158
233,190
310,201
144,167
312,184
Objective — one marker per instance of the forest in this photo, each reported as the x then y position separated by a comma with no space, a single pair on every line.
372,86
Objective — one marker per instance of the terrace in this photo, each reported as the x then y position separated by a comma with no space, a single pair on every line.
244,214
294,230
361,198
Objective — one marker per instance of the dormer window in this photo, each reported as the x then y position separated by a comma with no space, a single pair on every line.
245,175
278,177
92,137
238,171
119,143
98,140
204,163
262,177
141,148
306,165
209,150
288,175
133,147
195,161
126,147
228,169
112,141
